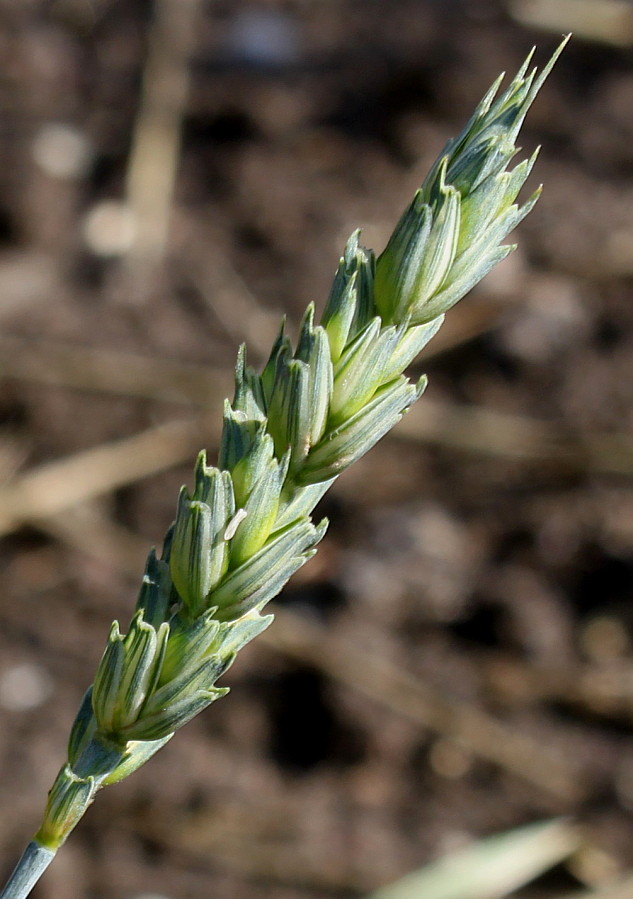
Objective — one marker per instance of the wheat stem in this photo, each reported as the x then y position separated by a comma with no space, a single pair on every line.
34,861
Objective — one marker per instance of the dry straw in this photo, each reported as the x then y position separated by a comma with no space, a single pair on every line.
246,526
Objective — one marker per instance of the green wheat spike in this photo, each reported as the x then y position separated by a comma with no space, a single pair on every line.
289,432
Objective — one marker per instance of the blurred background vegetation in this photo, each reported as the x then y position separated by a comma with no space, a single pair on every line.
457,659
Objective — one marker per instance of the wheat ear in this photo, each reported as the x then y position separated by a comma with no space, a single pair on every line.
246,526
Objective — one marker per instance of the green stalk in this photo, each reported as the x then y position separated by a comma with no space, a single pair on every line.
34,861
246,525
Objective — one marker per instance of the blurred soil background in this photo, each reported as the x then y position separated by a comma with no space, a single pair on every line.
457,660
